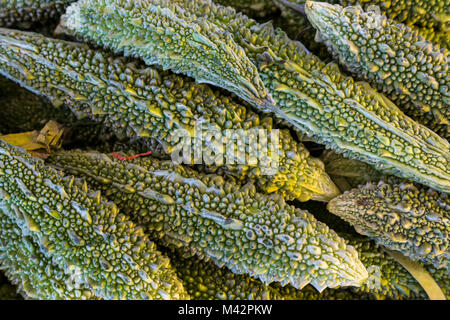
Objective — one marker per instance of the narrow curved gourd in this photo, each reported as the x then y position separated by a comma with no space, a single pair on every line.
136,101
161,32
392,57
35,275
20,13
408,218
333,110
78,229
232,225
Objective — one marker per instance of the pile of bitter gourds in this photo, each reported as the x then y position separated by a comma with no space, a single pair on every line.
358,91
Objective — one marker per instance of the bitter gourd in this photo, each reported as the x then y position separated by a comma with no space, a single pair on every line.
232,225
161,32
203,280
403,217
422,13
318,100
392,57
35,275
24,111
387,278
78,229
137,101
23,13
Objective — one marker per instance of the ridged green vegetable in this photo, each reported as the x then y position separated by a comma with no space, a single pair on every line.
387,278
422,13
232,225
318,100
203,280
161,32
23,13
24,111
392,57
78,229
35,275
137,101
403,217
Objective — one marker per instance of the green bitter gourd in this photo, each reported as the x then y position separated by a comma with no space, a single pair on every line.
76,228
232,225
405,217
318,100
137,101
392,57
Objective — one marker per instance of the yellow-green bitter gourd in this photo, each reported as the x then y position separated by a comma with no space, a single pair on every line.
76,228
161,32
392,57
24,13
318,100
35,274
405,217
136,101
232,225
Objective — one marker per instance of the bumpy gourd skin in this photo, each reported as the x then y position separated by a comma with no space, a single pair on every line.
161,32
24,111
424,13
20,13
35,275
137,101
392,57
78,229
232,225
411,219
387,278
330,108
203,280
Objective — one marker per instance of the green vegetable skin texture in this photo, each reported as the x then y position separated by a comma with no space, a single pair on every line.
36,276
24,111
15,13
136,101
203,280
411,219
160,32
317,99
423,13
232,225
387,278
392,57
78,229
